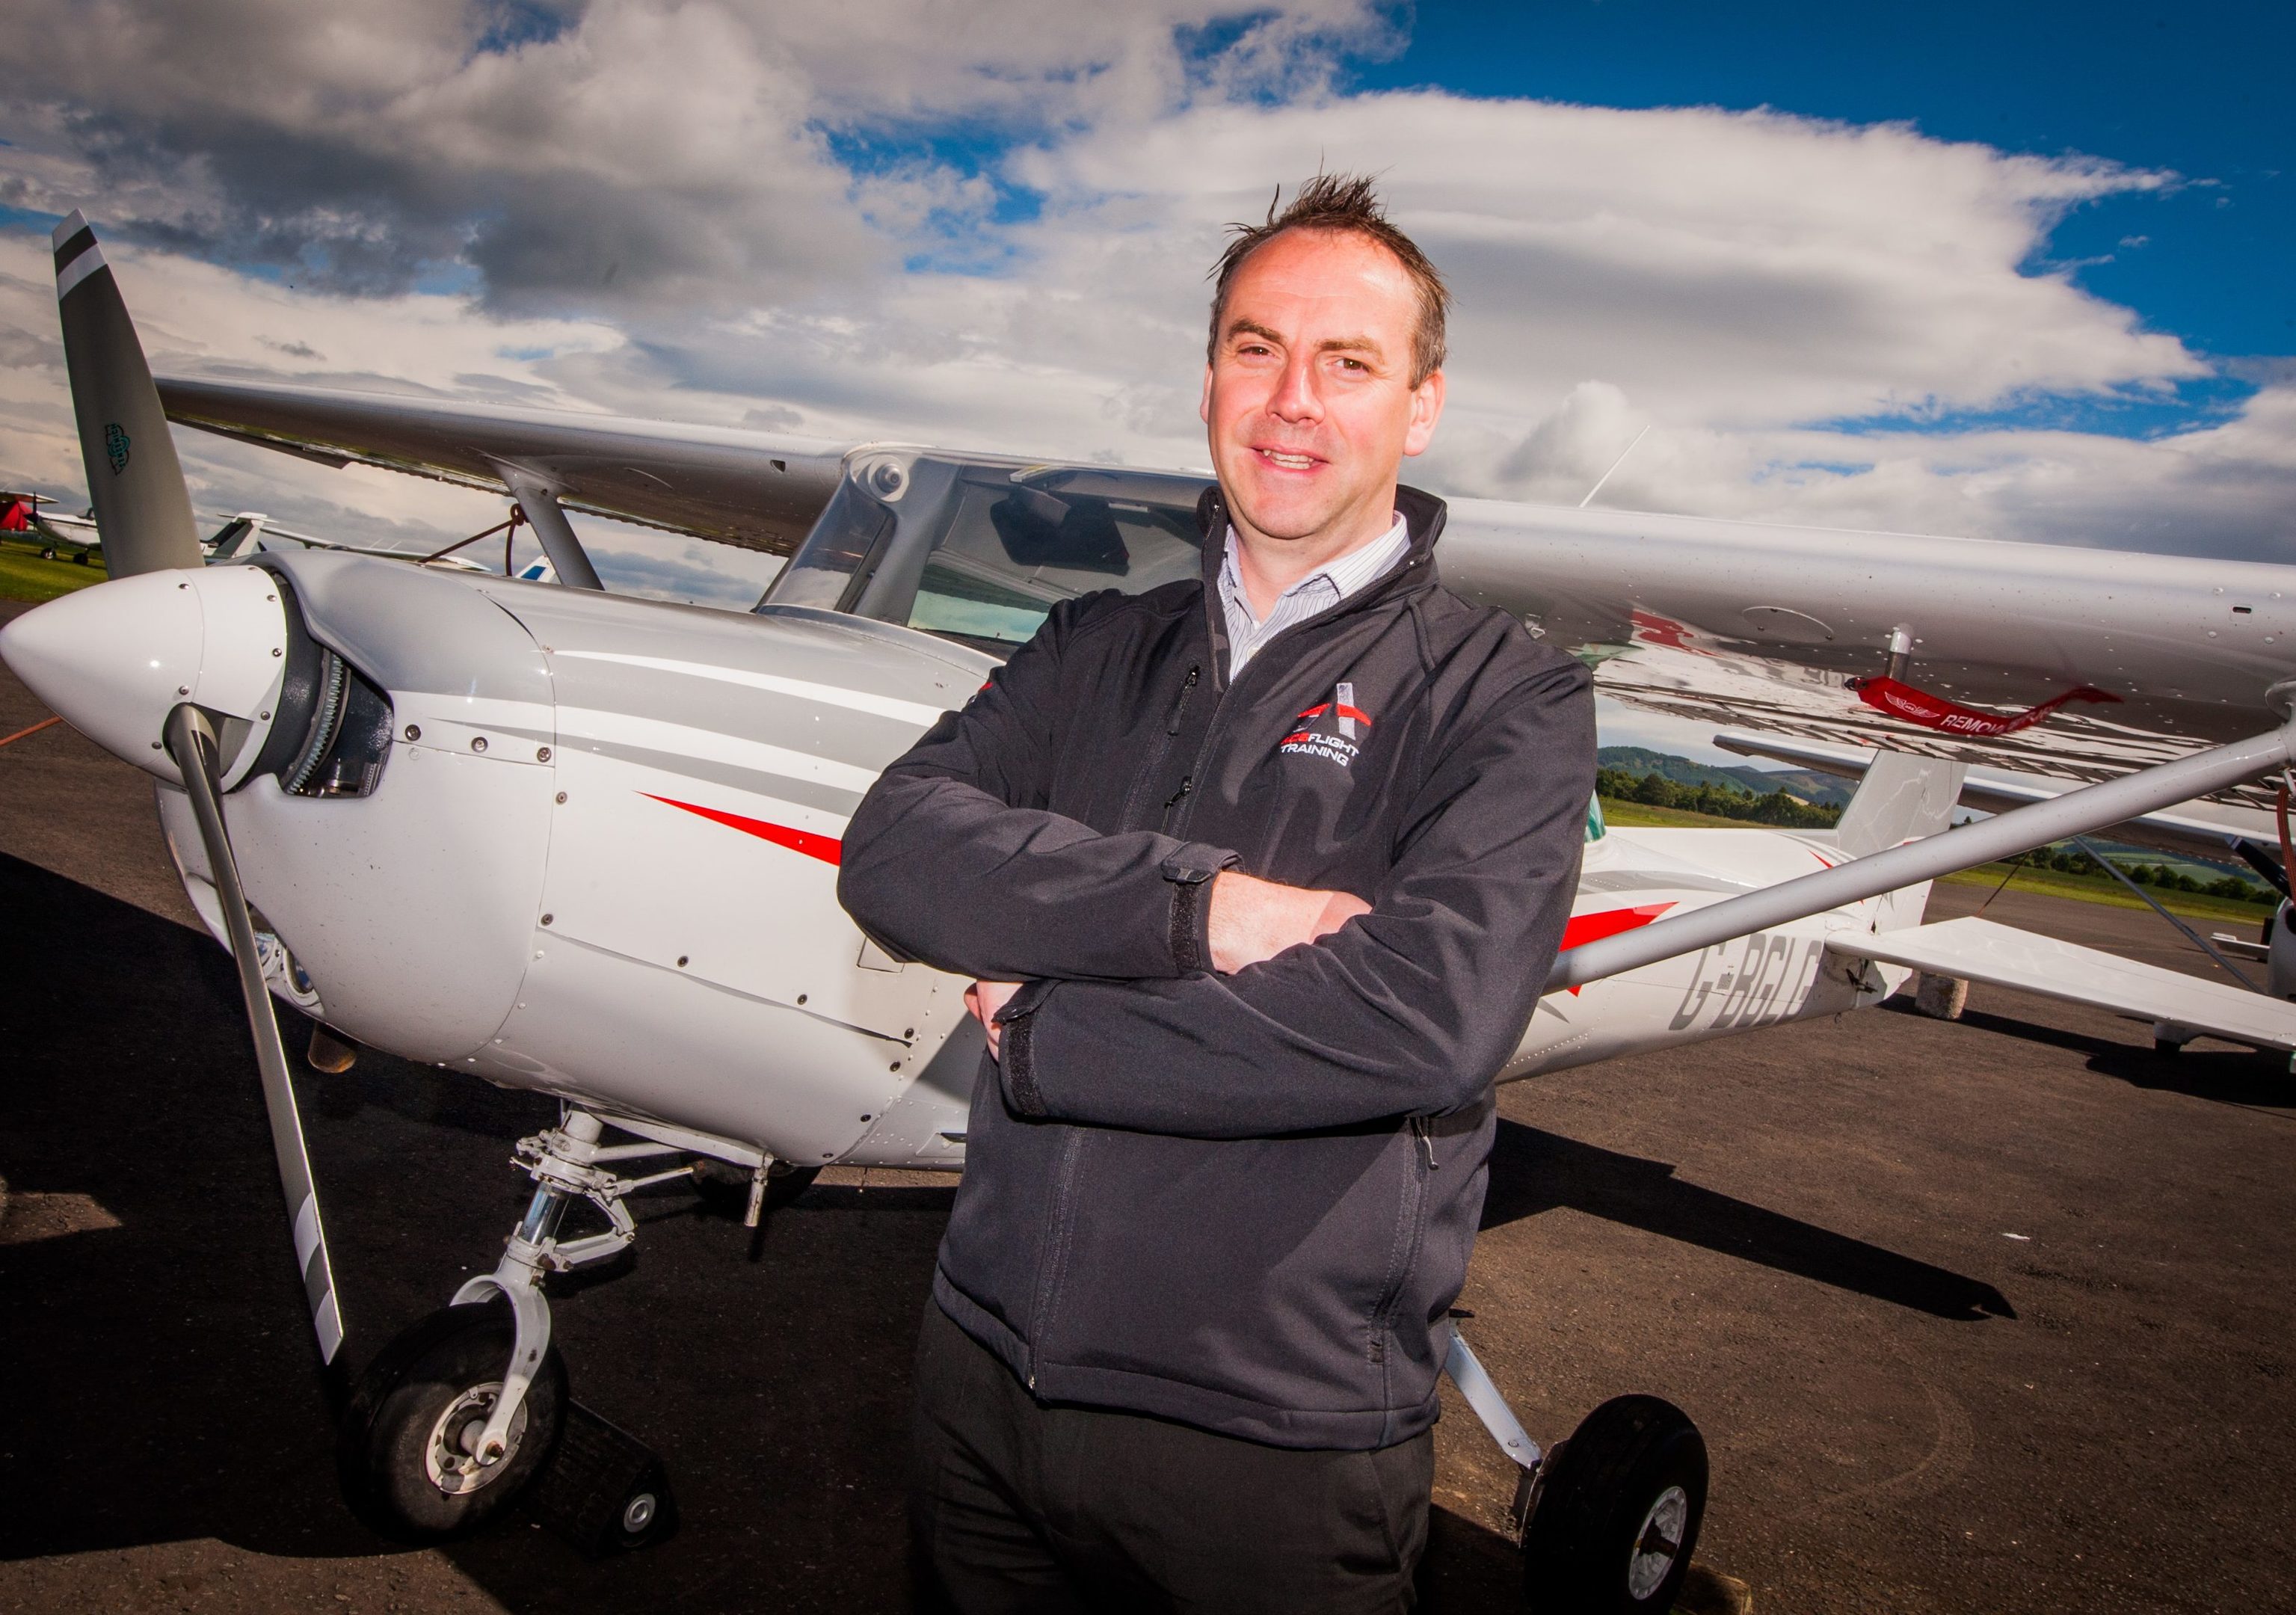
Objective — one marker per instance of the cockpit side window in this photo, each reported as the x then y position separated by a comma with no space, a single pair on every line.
978,551
839,555
1011,553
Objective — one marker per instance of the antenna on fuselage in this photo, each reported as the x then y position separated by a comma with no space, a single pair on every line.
1605,476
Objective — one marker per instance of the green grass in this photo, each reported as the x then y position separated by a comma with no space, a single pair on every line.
24,576
2112,893
2049,882
1640,815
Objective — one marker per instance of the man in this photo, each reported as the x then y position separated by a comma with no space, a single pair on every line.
1279,862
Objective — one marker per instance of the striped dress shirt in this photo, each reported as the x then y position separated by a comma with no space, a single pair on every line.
1319,591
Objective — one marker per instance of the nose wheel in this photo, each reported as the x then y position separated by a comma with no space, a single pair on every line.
409,1452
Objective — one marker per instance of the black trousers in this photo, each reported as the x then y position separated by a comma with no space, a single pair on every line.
1015,1506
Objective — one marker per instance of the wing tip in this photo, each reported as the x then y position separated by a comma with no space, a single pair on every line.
74,222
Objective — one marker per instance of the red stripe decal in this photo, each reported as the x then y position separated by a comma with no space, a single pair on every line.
828,849
1583,929
1357,713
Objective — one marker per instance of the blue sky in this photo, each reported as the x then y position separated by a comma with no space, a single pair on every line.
2204,90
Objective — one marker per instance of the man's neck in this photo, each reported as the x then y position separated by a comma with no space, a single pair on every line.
1269,566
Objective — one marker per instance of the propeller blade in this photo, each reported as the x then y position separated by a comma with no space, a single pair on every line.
191,741
142,513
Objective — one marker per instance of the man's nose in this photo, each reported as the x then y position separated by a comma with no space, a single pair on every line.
1297,397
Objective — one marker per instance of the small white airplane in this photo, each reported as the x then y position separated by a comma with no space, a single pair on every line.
586,844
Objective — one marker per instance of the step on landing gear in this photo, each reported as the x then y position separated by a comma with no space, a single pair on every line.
455,1418
1609,1518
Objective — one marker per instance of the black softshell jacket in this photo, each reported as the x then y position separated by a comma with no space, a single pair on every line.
1242,1201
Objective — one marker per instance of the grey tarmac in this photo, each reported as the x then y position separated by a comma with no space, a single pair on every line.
1993,1316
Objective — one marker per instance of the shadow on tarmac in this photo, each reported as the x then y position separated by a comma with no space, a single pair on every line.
1533,1171
2222,1073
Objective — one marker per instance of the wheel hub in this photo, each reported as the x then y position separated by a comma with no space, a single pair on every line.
1657,1543
451,1455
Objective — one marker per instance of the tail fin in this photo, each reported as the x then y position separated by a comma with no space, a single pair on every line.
142,513
1902,797
242,535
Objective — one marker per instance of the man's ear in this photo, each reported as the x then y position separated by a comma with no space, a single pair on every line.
1426,409
1204,401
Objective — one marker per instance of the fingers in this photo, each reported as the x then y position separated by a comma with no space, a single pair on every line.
1338,908
982,1000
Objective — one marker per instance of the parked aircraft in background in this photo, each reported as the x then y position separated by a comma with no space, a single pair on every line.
586,844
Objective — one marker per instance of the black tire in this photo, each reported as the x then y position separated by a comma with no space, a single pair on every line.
725,1187
1617,1513
441,1367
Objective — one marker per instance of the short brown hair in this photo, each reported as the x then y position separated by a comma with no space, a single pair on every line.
1349,204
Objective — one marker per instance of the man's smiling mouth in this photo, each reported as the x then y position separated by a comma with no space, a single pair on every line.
1289,462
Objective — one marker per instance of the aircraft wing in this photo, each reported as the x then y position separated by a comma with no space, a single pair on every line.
2131,657
2071,662
757,489
1978,950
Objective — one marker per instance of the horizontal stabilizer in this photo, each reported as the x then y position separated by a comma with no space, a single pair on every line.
1978,950
2206,829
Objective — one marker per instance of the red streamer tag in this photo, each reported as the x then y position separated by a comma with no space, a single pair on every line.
1950,717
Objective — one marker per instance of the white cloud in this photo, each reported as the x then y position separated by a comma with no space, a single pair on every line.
728,212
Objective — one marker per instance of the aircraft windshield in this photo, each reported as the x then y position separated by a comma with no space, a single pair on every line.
981,552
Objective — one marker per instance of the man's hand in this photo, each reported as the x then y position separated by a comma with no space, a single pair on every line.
1253,920
984,999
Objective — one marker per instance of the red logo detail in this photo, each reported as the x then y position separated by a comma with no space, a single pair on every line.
1583,929
1357,713
1935,712
828,849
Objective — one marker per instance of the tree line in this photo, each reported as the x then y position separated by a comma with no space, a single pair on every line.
1721,801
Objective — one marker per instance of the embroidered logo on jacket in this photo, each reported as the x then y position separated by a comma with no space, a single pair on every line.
1330,731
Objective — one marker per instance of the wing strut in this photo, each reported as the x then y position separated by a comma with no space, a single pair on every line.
2076,813
542,514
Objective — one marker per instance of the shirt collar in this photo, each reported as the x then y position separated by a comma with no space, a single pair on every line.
1343,576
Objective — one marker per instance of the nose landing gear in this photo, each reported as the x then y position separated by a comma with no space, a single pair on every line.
456,1416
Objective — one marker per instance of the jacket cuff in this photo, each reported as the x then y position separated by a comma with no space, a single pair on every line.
1189,870
1015,1058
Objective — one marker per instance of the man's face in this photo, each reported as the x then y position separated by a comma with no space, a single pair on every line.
1308,394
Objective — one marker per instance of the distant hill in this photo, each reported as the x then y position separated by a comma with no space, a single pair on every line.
1822,789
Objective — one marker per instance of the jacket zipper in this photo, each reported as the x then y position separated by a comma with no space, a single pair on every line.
1171,728
1422,1164
1055,1259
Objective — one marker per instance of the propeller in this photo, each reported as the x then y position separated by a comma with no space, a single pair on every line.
191,742
143,511
210,630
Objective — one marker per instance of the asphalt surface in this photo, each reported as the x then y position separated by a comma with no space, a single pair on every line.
1993,1316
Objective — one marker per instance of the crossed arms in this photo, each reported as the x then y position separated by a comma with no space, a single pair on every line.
1314,1009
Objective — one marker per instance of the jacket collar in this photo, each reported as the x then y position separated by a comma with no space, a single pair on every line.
1422,513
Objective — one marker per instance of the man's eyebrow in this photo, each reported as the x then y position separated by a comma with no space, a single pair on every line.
1237,328
1352,344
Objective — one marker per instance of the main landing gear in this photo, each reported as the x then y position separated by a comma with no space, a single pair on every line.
1609,1518
453,1418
